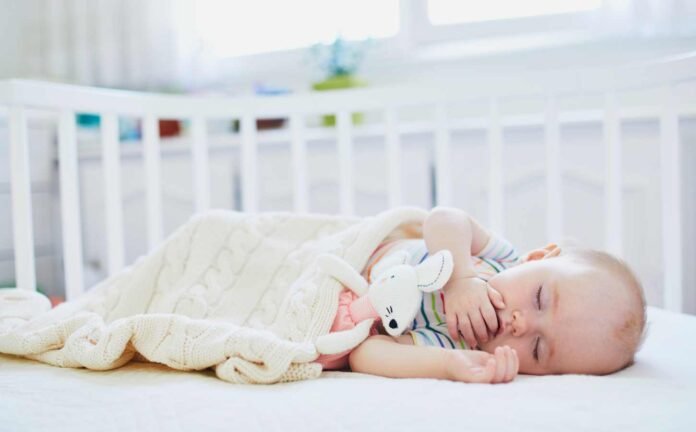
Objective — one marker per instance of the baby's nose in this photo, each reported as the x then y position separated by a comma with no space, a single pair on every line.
519,324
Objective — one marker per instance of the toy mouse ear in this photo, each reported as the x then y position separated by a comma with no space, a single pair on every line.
435,271
389,261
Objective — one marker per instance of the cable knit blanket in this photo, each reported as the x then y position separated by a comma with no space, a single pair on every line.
233,291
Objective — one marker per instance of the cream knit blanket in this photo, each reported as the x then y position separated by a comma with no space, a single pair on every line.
228,290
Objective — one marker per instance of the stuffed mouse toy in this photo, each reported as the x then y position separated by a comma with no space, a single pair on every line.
394,296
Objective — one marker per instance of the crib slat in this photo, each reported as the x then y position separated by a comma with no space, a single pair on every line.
299,163
25,269
612,191
393,148
554,180
70,206
112,192
497,191
670,173
345,162
201,169
153,179
443,159
249,164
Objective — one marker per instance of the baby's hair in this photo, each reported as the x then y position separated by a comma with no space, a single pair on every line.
632,331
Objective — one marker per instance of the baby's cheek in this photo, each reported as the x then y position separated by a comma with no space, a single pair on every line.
494,343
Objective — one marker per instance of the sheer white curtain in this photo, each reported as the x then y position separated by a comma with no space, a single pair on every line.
138,44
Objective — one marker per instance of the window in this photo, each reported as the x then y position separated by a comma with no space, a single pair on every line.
513,24
228,29
443,12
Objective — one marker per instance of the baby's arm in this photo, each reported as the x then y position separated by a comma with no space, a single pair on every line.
453,229
384,356
470,302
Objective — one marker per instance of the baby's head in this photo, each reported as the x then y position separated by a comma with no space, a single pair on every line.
570,311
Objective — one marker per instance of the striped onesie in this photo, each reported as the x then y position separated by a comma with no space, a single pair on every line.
430,326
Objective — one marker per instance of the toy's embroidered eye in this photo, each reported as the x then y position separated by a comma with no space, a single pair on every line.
392,276
390,309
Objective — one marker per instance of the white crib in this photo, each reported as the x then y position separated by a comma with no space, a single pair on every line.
660,90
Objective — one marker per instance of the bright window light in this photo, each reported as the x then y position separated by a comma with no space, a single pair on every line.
442,12
233,28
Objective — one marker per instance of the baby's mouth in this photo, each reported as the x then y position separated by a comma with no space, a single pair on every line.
501,327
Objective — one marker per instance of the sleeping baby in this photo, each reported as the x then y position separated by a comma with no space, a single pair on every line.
551,311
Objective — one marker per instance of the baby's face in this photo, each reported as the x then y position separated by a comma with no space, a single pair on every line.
558,316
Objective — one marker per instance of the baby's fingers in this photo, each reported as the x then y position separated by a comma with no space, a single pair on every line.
466,330
500,364
490,317
512,365
452,326
496,298
483,374
479,326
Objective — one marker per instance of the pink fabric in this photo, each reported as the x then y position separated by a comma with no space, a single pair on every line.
343,321
361,309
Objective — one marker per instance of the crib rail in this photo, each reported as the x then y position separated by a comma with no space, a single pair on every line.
65,101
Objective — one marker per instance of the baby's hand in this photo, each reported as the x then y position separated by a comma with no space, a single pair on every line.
481,367
470,308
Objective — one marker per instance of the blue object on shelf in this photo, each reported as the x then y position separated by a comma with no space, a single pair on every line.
129,129
265,90
88,120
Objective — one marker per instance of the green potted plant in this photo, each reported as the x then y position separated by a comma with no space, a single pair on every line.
339,61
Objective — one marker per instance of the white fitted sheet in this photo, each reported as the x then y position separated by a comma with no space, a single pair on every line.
657,393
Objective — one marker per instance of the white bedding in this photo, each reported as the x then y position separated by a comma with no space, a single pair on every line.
239,292
658,393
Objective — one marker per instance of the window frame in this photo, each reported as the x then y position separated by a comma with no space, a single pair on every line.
418,42
416,33
423,32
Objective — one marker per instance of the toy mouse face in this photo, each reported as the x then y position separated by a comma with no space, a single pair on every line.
395,303
397,289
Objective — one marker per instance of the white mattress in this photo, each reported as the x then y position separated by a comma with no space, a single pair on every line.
658,393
